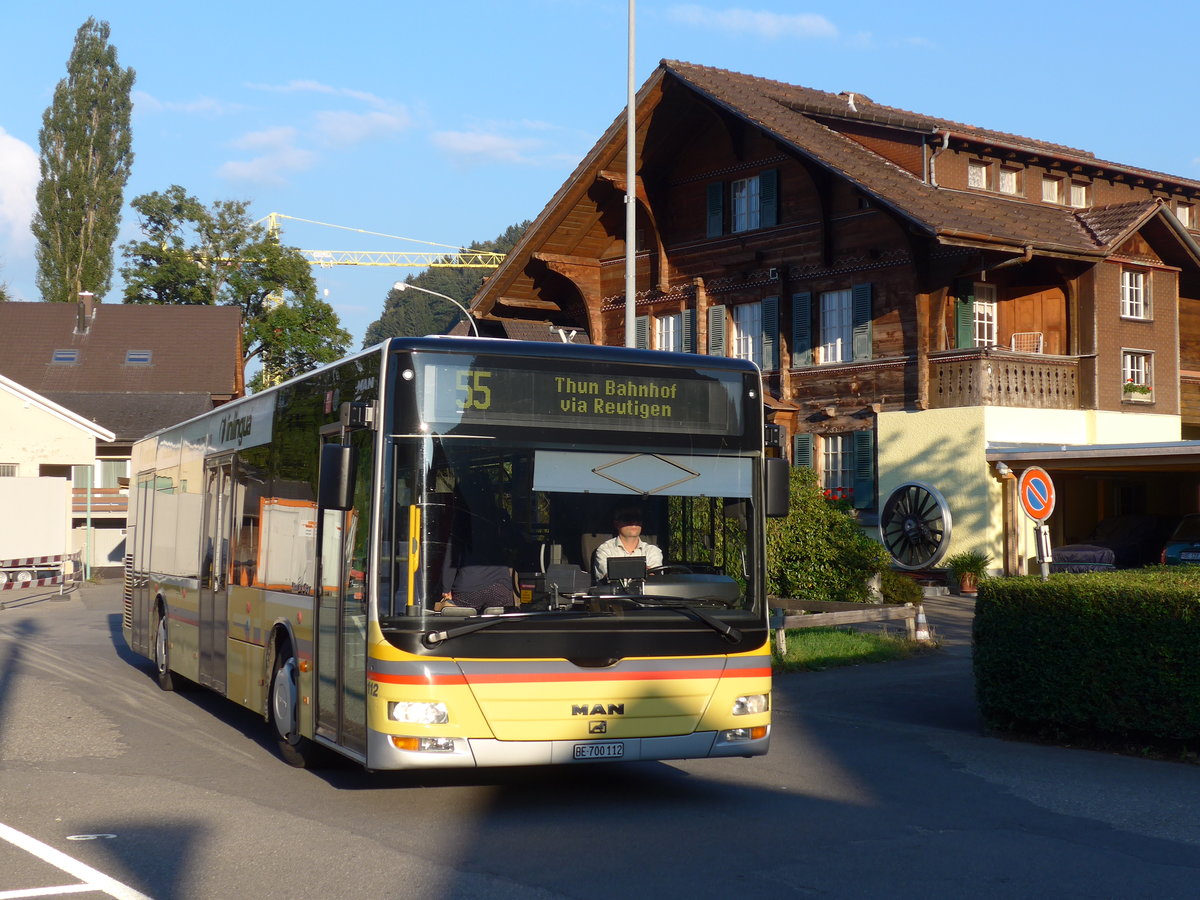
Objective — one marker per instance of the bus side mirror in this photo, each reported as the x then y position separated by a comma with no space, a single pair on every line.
338,464
778,488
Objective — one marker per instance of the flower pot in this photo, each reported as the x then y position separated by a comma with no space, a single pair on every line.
968,583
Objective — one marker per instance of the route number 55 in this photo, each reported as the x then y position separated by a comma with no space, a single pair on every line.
475,393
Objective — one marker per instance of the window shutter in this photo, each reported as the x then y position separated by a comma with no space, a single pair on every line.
768,198
802,450
802,344
770,334
641,332
689,331
964,313
716,209
864,469
716,331
862,296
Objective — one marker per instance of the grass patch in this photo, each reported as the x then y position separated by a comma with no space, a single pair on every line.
814,649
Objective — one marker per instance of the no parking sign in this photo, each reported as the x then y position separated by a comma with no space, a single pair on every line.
1036,492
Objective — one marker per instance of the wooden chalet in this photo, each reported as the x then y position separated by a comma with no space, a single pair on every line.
881,263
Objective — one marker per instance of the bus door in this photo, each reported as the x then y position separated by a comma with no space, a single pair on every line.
139,543
341,713
214,570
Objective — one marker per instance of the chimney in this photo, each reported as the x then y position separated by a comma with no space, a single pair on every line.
87,312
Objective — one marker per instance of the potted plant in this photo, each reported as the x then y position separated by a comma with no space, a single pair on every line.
968,568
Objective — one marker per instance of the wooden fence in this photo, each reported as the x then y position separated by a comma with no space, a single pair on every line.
788,612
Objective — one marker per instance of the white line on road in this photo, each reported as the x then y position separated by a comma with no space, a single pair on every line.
93,879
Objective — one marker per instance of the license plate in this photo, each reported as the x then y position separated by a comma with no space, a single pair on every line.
599,751
1190,554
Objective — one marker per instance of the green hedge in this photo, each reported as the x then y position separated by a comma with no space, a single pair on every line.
1112,653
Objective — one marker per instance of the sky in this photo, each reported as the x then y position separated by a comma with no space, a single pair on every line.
444,123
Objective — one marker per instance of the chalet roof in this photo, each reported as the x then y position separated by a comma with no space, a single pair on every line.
806,122
192,349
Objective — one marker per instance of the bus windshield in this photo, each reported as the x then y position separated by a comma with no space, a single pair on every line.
543,528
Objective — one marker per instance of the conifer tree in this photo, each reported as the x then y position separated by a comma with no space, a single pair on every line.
86,155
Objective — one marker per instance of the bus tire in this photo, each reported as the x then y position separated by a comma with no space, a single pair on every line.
162,654
284,707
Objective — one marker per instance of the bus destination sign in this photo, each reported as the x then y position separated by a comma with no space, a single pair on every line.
474,391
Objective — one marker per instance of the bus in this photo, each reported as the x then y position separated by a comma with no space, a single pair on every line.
289,551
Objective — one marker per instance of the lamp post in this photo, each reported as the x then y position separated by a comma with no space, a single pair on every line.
404,286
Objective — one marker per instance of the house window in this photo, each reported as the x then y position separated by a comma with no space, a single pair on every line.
837,466
747,332
1135,299
1137,375
1052,189
837,324
745,200
668,333
1010,180
64,358
1081,194
1185,213
977,175
8,470
984,315
138,357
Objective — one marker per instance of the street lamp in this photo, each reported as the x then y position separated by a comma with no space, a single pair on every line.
404,286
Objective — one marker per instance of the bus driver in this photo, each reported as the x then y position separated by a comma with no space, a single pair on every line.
627,523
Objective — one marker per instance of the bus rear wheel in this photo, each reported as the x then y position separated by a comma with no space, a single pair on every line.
162,655
284,706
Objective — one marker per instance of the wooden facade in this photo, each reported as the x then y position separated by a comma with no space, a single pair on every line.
872,259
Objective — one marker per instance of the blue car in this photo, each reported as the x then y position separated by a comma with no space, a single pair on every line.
1183,546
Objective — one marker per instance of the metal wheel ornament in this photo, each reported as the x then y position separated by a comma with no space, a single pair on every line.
915,525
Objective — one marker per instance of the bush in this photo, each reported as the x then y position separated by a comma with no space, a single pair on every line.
818,552
898,588
1105,654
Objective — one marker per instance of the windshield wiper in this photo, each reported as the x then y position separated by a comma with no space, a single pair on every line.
727,631
433,638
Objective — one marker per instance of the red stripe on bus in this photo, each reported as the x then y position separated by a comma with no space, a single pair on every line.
384,678
536,677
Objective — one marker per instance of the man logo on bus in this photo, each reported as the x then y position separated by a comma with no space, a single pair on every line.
597,709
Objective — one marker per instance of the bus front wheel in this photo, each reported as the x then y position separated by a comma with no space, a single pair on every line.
162,654
295,749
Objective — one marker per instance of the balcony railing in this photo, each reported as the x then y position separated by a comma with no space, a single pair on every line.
992,377
106,502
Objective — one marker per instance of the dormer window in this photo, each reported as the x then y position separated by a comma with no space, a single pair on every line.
1010,180
64,358
138,357
1081,194
1186,214
1052,189
978,175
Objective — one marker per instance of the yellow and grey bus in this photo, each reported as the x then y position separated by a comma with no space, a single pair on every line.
291,551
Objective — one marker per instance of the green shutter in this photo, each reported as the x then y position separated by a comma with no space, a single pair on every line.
716,331
802,337
716,209
862,296
864,469
770,334
641,332
689,331
768,198
964,313
802,450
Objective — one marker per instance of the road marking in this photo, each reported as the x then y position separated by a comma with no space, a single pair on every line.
93,879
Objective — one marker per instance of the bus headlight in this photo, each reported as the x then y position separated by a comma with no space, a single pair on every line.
751,704
419,713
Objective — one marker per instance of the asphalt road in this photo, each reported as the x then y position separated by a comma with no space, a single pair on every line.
879,784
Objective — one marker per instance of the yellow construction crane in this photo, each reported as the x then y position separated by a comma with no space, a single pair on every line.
448,257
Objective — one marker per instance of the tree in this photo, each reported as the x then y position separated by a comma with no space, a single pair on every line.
411,313
197,255
86,155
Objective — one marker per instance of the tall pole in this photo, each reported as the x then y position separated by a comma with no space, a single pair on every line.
630,198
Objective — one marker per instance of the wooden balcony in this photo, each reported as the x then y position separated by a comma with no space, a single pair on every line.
993,377
106,502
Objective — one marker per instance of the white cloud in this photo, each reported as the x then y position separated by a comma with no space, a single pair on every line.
481,146
19,174
342,128
143,102
280,156
302,86
762,24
